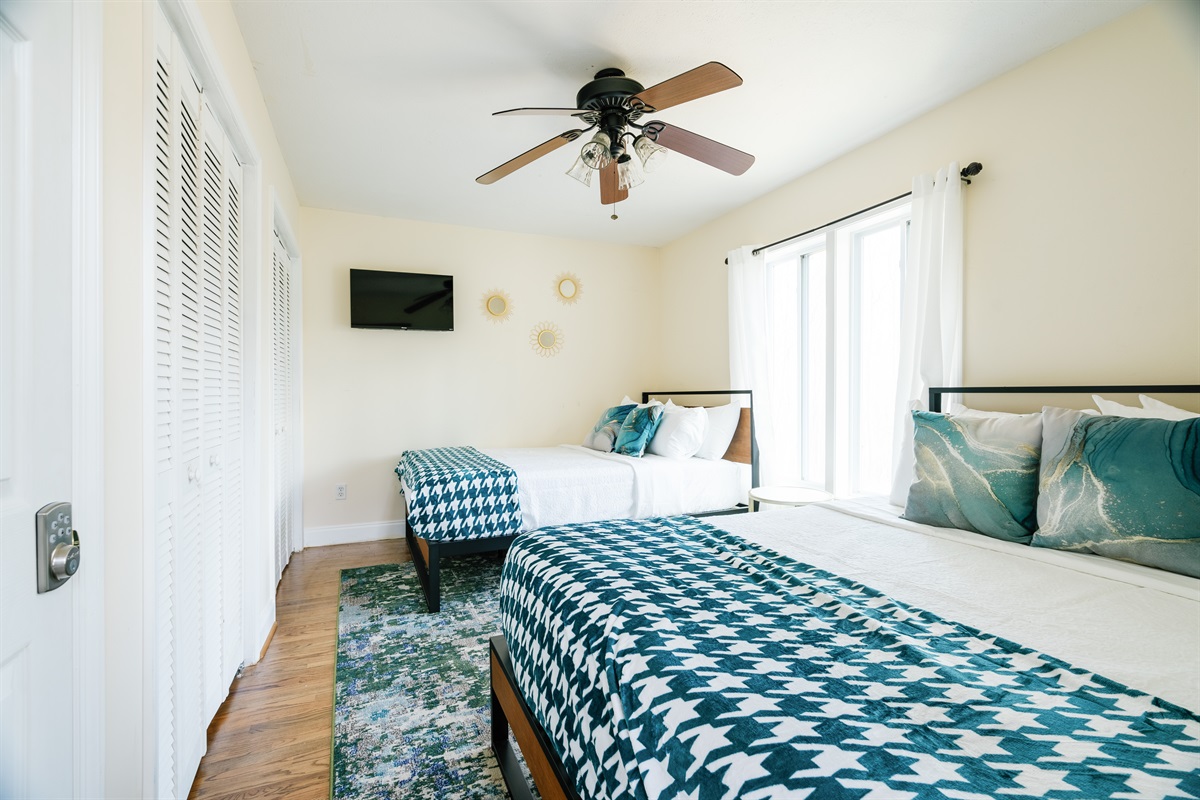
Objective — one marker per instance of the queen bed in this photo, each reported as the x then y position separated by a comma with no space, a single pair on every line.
840,650
463,500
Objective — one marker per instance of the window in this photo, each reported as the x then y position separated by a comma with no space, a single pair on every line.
833,333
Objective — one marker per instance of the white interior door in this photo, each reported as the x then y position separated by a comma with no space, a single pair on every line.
282,360
37,237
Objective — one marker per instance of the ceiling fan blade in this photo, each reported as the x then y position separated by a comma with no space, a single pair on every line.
702,81
609,185
693,145
528,157
567,112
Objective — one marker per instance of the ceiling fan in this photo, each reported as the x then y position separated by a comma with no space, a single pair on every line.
613,104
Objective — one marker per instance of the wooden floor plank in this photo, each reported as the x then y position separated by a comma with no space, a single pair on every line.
271,737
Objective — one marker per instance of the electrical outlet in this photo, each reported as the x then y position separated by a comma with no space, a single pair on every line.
339,492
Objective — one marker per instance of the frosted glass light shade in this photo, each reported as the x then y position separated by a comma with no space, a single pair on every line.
581,172
629,172
595,153
650,152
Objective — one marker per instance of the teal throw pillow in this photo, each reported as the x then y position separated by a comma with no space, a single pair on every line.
1124,488
976,473
637,430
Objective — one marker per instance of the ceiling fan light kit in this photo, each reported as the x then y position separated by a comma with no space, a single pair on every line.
651,154
597,153
629,172
614,104
581,172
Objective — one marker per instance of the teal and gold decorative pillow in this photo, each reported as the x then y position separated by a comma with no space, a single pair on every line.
637,430
976,473
1124,488
603,435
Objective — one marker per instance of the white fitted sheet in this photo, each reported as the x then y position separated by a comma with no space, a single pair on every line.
1136,625
569,483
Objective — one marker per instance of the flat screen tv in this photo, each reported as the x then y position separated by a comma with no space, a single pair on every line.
402,300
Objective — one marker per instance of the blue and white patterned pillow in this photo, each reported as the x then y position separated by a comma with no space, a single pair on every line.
1121,487
603,435
637,430
976,473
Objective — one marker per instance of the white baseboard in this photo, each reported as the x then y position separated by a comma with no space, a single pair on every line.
349,534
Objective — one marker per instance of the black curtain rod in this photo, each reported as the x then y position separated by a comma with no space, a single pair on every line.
974,168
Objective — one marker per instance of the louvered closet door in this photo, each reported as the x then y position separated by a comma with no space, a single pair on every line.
166,404
231,460
198,419
282,351
212,372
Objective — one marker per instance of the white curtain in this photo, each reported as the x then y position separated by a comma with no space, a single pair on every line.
748,347
931,319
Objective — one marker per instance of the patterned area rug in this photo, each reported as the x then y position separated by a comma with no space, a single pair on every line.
411,713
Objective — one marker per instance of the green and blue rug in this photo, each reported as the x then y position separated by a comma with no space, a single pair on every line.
412,704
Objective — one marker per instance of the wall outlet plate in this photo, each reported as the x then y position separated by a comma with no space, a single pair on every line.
339,492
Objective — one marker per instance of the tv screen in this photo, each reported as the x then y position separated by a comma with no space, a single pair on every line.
404,300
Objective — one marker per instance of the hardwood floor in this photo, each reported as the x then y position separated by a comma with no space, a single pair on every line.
271,737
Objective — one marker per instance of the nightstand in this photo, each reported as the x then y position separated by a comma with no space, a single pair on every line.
786,496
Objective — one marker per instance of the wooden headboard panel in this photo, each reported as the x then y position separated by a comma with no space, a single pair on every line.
743,448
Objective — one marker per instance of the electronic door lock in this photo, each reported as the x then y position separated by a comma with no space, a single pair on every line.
64,561
57,547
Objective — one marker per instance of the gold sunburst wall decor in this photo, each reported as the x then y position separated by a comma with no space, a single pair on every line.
546,339
567,288
496,305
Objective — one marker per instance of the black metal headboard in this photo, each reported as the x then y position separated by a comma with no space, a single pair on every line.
936,392
749,395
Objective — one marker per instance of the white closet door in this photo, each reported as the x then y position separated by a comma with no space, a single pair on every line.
166,423
231,460
188,624
212,322
283,347
198,418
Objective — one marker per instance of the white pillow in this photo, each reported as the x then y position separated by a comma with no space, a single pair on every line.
626,401
959,410
722,423
1152,410
1111,408
603,439
973,413
681,432
1164,411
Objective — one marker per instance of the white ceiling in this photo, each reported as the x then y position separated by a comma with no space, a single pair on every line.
385,107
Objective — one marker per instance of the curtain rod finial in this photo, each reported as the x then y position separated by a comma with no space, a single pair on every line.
970,170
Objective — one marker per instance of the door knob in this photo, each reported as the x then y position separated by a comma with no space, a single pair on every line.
64,561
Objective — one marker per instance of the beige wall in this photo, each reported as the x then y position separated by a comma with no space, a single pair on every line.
128,53
371,394
1082,254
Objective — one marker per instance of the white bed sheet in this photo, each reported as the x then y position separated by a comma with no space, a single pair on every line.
569,483
1133,624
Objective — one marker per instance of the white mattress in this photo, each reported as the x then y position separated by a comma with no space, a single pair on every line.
1136,625
570,483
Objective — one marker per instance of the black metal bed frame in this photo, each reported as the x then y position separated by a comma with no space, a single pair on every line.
429,573
936,392
556,783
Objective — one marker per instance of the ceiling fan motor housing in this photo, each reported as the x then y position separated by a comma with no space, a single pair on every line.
608,95
610,88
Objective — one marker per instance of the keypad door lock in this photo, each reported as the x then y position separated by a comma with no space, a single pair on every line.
57,547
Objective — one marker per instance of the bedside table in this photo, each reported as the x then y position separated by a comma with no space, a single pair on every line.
786,496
